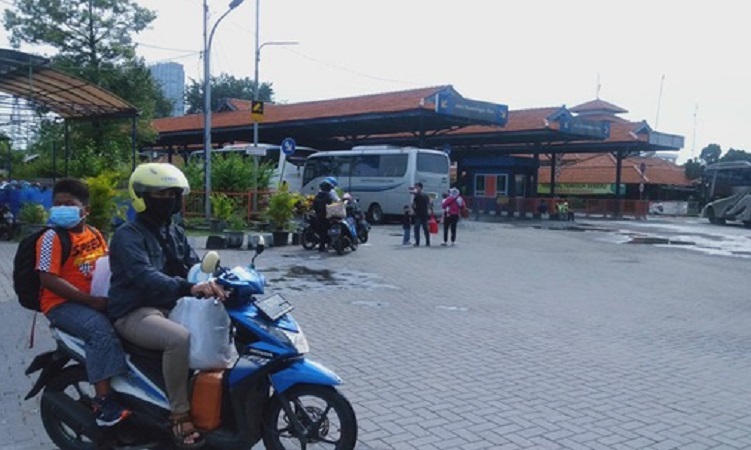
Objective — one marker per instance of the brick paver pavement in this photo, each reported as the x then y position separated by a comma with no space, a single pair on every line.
516,338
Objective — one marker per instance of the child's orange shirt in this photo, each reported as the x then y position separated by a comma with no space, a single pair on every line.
85,248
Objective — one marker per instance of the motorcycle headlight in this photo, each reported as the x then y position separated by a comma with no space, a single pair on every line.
298,340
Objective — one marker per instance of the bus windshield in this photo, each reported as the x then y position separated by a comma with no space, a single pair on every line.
724,179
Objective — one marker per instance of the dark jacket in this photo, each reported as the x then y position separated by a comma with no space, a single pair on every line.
406,220
148,270
421,205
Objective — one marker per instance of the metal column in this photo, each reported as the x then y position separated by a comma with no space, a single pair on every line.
618,167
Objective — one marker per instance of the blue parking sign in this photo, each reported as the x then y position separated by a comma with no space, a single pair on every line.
288,146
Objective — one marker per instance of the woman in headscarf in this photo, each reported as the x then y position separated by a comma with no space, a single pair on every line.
453,207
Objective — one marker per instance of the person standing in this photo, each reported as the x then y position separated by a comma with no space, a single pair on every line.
406,224
453,207
422,208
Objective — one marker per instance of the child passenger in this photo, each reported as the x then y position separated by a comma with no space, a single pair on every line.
65,298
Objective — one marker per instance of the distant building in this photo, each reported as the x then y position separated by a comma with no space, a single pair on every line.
171,78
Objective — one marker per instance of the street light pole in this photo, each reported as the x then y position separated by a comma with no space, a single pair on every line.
257,87
207,145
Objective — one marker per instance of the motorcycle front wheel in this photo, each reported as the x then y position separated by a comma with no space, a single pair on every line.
73,382
309,239
324,419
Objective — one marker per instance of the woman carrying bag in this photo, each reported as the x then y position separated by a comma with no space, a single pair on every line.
453,206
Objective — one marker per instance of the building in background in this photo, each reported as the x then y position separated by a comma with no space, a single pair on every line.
171,78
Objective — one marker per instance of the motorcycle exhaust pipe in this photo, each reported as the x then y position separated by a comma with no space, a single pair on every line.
72,413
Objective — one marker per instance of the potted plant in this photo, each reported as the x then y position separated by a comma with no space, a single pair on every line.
235,232
280,211
106,202
33,217
222,207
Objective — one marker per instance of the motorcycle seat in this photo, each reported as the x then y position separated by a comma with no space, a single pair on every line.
134,350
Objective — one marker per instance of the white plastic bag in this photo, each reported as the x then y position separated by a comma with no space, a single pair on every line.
100,281
209,325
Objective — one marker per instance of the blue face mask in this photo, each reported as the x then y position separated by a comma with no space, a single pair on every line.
65,216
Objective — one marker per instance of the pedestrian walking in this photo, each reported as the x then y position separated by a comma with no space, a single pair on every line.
452,204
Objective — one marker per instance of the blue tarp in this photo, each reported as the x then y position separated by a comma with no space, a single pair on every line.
16,196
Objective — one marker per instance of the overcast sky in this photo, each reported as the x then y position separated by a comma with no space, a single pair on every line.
524,54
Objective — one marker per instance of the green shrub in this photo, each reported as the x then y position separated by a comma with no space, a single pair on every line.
104,200
33,213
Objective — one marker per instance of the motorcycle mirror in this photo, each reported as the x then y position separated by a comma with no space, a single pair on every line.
210,262
260,245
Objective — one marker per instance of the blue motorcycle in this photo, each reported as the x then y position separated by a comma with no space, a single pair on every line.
272,393
343,234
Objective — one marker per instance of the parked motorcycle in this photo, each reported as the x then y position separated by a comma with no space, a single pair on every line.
8,223
362,226
343,235
273,392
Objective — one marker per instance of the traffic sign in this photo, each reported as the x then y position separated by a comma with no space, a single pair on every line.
288,146
256,110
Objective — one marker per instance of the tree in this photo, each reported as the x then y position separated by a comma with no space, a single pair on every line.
736,155
94,41
693,169
710,154
223,87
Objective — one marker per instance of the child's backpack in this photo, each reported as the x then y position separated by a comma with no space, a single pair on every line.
25,277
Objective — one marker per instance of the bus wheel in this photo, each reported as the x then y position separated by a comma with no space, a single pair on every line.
375,213
713,219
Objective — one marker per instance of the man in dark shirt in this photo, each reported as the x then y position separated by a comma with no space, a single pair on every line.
422,207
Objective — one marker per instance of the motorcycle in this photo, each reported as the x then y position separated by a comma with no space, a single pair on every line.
308,235
272,393
362,226
343,234
7,223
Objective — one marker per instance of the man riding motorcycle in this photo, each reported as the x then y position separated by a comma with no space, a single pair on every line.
149,259
326,195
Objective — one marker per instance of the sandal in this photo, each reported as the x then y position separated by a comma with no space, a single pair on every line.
184,433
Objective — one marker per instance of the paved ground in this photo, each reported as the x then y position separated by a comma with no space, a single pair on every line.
516,338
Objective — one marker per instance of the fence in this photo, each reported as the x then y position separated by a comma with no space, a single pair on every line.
524,207
193,204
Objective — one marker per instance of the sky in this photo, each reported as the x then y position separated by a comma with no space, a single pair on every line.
679,65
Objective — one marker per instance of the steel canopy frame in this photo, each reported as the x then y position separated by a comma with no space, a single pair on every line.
29,77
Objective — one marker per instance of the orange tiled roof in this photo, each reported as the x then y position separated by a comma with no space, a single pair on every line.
349,106
600,168
597,105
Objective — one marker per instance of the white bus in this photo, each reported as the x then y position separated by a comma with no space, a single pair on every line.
380,177
286,168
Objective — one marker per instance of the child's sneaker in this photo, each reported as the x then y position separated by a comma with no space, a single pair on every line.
109,412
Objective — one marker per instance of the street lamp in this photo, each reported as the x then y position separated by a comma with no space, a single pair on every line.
257,88
207,38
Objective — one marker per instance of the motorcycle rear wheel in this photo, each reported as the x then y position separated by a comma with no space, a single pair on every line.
338,246
313,406
362,236
74,383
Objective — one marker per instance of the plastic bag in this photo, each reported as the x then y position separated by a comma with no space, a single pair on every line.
336,210
100,281
433,225
209,325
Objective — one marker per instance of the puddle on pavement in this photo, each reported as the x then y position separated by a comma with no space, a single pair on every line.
301,278
657,241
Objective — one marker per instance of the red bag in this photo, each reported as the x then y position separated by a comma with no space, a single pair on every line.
433,225
464,212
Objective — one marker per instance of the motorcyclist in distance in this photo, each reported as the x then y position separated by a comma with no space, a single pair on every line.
326,195
149,259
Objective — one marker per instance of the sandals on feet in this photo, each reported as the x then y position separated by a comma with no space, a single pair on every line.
184,432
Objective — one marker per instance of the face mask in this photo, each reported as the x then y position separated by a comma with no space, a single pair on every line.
161,209
65,216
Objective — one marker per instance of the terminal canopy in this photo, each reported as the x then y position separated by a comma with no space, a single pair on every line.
28,76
